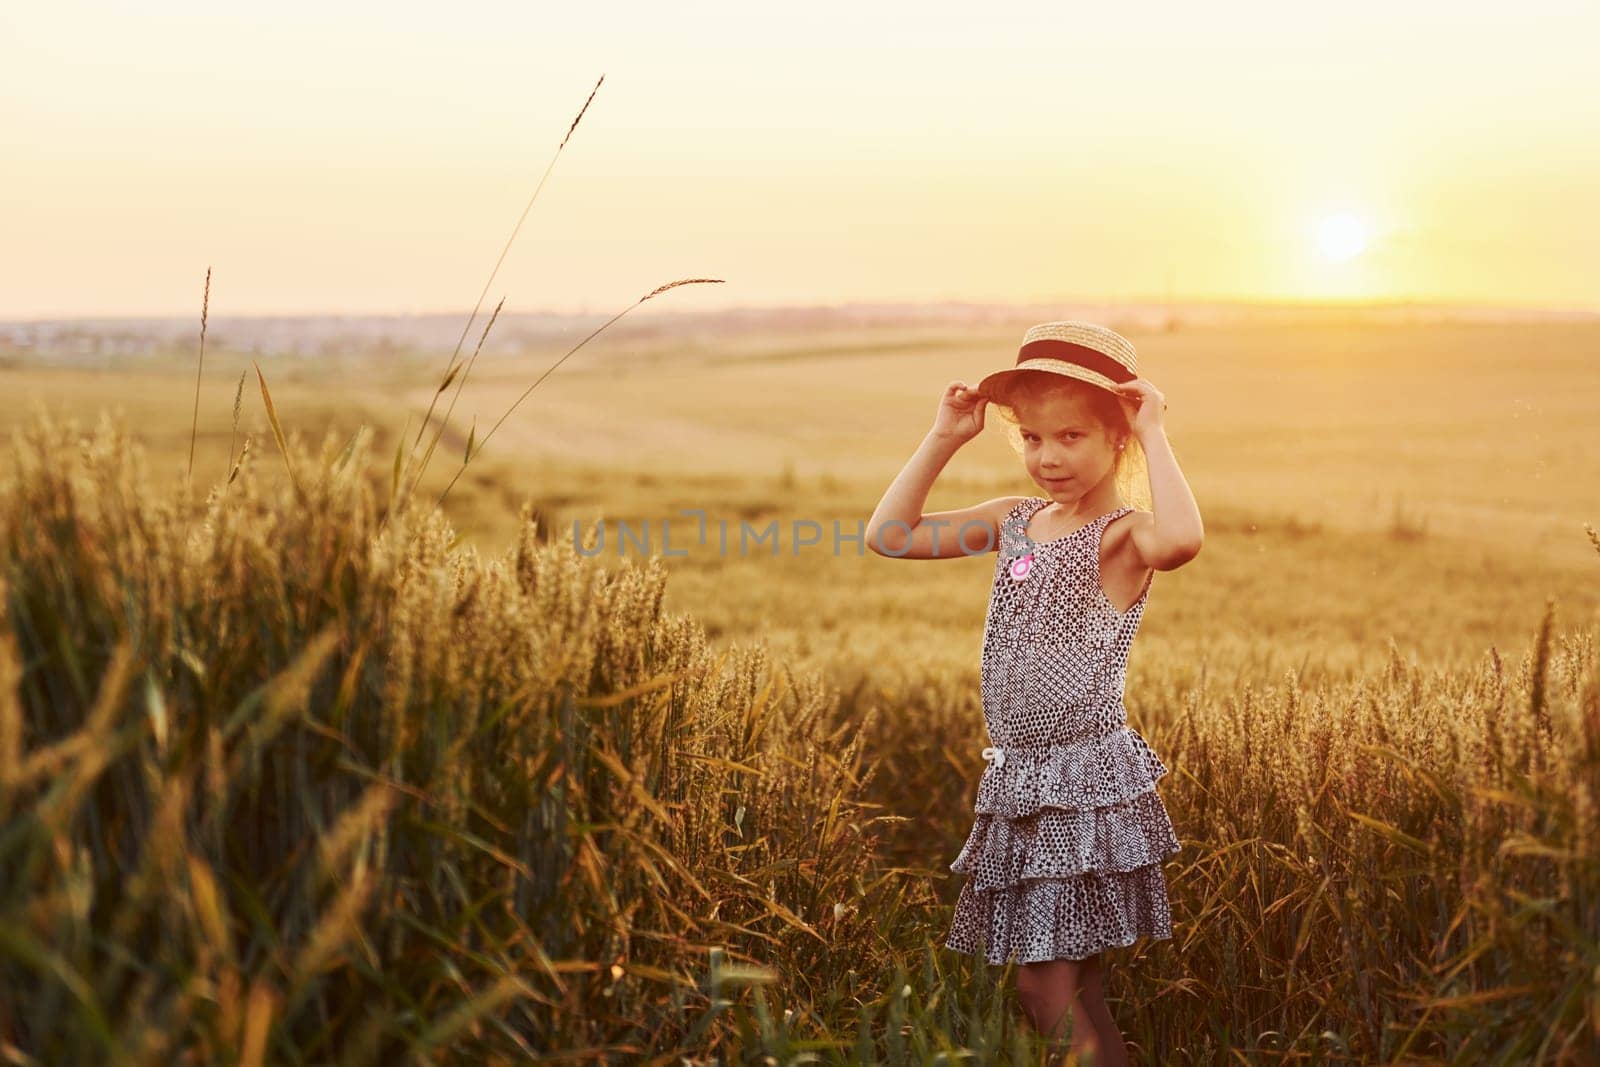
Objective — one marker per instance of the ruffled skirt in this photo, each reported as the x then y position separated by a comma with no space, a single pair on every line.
1064,858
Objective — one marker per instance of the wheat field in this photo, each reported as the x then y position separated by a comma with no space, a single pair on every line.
291,774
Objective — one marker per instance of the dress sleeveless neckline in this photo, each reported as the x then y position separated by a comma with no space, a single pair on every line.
1073,533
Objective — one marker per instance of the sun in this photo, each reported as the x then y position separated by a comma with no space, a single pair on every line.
1341,236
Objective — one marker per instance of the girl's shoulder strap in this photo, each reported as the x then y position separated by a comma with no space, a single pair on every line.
1027,506
1014,526
1111,516
1030,507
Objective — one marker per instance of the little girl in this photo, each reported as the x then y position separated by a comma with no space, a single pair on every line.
1064,858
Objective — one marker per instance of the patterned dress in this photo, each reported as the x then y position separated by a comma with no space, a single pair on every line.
1064,858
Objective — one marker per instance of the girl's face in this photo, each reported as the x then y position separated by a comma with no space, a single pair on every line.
1066,449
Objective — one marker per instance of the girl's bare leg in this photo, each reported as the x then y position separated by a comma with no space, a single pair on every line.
1048,991
1051,989
1111,1052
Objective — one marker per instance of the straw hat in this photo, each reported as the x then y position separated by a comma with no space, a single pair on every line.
1074,349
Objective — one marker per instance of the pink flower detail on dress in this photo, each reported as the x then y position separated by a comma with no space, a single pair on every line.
1021,566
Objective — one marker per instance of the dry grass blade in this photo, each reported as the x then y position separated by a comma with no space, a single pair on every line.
339,924
12,716
353,826
621,696
206,900
673,285
243,452
631,780
448,378
87,746
277,431
18,945
238,398
432,444
1392,833
505,989
1524,844
258,1021
1484,997
563,359
399,455
581,110
479,348
194,425
287,691
1537,702
502,258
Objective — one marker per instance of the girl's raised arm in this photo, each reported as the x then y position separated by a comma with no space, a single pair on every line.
898,528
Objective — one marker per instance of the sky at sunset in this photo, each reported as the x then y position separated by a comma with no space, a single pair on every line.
372,158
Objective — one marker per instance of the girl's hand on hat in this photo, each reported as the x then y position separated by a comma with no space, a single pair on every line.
960,415
1145,405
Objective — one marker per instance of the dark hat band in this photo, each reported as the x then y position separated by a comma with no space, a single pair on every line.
1081,355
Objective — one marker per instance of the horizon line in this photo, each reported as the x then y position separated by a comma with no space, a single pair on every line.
1150,303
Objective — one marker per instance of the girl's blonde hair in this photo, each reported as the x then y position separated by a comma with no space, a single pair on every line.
1132,466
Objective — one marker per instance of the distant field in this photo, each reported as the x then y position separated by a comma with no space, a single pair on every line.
1425,484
